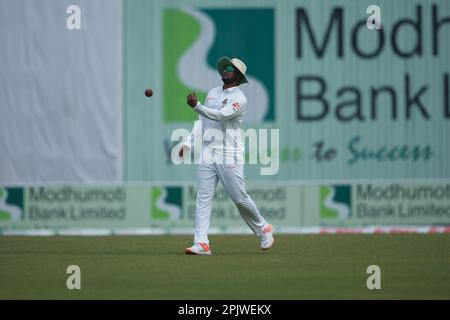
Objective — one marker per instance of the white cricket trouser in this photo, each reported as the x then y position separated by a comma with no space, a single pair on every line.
232,179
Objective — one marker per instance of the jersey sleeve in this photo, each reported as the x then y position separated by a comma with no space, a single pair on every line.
233,108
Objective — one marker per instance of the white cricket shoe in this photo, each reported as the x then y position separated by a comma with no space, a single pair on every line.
266,237
199,249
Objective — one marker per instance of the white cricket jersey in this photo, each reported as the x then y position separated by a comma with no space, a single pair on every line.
224,111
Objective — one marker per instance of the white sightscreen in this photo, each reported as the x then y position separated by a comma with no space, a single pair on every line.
60,92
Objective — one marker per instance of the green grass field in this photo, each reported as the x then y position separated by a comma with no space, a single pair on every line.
413,266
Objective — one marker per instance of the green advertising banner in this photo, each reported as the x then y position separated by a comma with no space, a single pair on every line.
74,207
349,102
383,204
171,208
175,206
136,207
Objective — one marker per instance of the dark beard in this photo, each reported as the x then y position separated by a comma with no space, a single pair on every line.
229,80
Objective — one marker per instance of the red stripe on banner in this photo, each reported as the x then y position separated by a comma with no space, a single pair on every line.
385,230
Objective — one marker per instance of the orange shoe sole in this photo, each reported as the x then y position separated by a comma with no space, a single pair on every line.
189,252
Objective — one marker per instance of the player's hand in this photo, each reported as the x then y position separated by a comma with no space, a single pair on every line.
192,99
180,152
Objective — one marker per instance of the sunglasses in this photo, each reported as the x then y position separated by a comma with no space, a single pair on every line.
229,69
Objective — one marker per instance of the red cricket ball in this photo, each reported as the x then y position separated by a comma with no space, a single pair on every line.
149,92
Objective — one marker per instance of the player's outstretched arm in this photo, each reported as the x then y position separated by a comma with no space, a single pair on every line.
232,109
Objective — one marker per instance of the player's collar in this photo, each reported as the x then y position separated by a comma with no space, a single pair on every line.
231,89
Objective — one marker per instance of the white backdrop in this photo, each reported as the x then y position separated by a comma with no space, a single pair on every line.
60,92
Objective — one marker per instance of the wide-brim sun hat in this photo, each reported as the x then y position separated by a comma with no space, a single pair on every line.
238,64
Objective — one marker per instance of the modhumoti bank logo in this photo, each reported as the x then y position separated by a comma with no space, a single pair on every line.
335,202
195,38
166,203
11,204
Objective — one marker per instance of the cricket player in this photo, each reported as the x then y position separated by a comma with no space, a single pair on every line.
224,110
